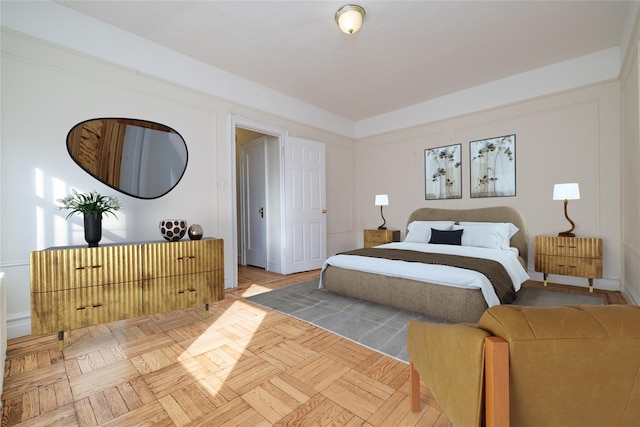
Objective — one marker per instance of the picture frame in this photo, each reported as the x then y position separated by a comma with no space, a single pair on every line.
492,164
443,172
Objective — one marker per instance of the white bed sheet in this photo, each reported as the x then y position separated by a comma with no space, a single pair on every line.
438,274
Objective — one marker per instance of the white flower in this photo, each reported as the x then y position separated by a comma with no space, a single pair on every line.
92,203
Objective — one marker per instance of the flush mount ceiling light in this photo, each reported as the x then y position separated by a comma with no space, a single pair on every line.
349,18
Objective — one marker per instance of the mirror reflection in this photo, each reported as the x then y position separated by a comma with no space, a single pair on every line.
136,157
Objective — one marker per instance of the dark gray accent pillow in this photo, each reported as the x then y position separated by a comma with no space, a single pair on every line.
439,237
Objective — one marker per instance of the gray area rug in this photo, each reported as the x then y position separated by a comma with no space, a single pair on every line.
379,327
544,298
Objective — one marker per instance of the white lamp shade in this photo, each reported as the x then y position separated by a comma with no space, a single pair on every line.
569,191
382,200
349,18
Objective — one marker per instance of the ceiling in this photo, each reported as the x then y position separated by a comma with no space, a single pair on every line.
407,52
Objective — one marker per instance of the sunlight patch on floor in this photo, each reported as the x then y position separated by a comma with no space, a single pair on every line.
222,345
255,289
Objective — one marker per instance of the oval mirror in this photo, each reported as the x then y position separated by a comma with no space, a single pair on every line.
140,158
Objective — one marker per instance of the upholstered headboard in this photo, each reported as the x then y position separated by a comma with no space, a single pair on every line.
492,214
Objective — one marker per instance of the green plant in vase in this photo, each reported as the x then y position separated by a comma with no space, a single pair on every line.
92,206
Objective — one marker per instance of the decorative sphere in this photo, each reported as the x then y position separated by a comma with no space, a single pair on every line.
195,232
173,229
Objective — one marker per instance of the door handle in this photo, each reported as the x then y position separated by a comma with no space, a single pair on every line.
261,212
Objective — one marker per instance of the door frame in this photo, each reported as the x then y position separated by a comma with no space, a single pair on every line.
256,126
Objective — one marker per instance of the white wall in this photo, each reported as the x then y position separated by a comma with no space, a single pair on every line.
630,184
573,136
46,90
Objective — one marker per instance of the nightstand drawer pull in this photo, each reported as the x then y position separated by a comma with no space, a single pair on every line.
568,266
182,258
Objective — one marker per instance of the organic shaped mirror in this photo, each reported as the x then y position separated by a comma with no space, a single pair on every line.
137,157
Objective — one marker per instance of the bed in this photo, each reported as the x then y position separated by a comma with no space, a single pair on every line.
427,292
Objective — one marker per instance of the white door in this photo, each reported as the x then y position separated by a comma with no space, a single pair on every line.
305,220
254,202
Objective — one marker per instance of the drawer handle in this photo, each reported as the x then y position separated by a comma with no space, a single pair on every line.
182,258
88,267
568,266
91,306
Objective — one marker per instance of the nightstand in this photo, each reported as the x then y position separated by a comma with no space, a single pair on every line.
569,256
379,237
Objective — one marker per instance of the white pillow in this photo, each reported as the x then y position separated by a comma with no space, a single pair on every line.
420,231
507,230
481,236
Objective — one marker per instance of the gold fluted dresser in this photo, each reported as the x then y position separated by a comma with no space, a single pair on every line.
75,287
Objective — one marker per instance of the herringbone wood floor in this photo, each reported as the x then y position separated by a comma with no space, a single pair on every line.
239,365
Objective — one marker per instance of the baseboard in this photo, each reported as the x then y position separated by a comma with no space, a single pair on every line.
18,324
630,295
275,268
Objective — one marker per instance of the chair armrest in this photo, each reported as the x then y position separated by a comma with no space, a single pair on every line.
496,386
450,360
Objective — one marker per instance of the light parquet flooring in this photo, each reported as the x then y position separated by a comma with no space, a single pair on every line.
237,365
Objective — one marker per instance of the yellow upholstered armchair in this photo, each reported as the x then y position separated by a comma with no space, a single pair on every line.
532,366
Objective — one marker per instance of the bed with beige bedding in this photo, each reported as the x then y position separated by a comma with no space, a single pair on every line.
457,281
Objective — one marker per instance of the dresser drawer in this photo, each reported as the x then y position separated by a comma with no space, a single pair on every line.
81,307
169,293
568,246
178,258
569,266
55,270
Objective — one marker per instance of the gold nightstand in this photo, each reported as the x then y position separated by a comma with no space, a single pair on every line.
569,256
379,237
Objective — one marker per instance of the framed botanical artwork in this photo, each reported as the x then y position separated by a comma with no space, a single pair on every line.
443,172
493,166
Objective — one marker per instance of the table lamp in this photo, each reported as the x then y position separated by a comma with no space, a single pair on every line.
566,192
382,200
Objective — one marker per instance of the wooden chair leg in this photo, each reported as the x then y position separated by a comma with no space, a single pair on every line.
414,393
496,371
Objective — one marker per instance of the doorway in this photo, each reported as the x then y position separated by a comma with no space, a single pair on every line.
295,206
258,198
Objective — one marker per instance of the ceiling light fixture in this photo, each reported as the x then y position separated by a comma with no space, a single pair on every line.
349,18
